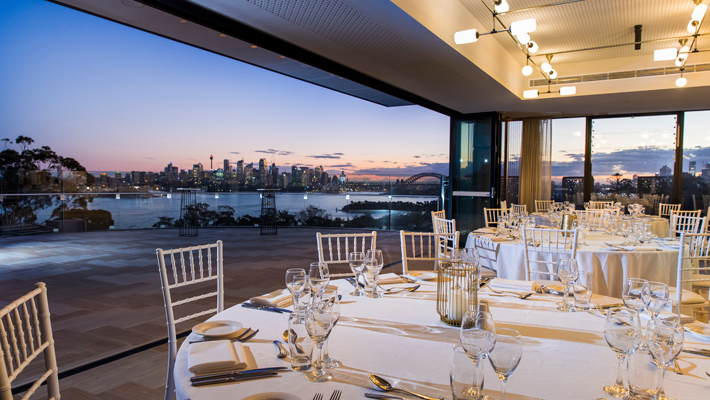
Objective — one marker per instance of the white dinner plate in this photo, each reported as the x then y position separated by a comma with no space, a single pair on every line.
272,396
698,328
423,275
217,329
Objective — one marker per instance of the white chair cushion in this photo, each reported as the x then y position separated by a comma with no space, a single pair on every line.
687,297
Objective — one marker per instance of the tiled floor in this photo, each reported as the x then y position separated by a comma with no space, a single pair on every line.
105,297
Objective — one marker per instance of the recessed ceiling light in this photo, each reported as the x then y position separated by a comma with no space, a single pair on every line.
254,47
182,21
282,56
222,35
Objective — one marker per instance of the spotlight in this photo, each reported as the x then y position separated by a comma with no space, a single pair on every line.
553,74
533,47
680,82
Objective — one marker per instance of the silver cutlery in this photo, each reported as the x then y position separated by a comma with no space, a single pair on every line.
408,280
507,292
336,395
386,386
237,373
382,396
282,352
699,352
707,373
318,396
244,339
236,339
401,289
237,378
266,308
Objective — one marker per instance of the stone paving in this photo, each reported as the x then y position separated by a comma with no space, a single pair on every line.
105,297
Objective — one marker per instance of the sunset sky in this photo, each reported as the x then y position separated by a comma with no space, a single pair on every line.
119,99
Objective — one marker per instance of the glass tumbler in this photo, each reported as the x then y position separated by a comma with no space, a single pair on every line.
300,344
466,377
644,375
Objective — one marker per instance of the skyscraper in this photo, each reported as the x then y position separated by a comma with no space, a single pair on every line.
263,172
691,168
240,171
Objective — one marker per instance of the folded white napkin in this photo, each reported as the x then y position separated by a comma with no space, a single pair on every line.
631,248
512,284
389,279
605,301
216,356
497,238
485,230
277,298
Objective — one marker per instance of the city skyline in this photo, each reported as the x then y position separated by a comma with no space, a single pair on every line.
119,99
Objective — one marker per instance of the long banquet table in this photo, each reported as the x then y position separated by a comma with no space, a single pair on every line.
659,225
609,266
400,337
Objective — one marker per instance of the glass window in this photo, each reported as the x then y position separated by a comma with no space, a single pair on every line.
513,135
696,161
633,158
568,140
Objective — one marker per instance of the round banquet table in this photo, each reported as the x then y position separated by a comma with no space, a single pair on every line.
659,225
609,267
401,338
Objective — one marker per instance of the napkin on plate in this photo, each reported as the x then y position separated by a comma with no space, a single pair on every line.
512,284
277,298
215,357
606,301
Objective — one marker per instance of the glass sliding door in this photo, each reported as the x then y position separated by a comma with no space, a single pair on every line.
633,159
474,168
568,141
696,161
513,135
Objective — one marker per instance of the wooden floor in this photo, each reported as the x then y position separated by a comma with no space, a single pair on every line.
105,297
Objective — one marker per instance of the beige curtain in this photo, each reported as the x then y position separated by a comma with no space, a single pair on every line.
535,161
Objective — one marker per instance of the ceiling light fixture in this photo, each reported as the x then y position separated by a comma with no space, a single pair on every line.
527,70
699,12
467,36
501,6
553,74
680,82
530,94
665,54
533,47
568,90
546,66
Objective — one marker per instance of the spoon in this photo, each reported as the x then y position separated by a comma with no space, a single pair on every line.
409,289
299,349
386,386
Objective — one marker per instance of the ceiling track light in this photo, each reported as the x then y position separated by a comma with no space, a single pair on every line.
564,91
680,82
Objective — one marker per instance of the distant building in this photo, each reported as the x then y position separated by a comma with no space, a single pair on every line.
691,168
240,171
665,171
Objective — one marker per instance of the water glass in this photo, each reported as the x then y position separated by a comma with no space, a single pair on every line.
659,297
582,291
319,322
318,278
295,282
356,260
300,344
466,377
644,375
373,265
331,300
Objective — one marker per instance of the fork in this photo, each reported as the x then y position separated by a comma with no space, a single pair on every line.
506,292
318,396
243,338
336,395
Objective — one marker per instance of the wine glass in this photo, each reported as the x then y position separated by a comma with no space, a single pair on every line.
636,294
622,332
295,282
478,338
356,260
659,296
584,230
319,322
373,265
506,355
568,272
318,278
330,299
665,341
624,229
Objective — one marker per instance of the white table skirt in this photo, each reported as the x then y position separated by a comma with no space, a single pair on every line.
609,268
401,338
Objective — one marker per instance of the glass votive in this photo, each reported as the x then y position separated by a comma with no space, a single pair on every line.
300,344
466,377
644,375
582,291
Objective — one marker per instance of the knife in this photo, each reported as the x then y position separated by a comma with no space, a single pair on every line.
382,396
235,378
238,373
699,352
266,308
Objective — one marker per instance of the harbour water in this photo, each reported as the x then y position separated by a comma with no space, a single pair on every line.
141,212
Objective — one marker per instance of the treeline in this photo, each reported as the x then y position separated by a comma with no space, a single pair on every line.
201,215
419,206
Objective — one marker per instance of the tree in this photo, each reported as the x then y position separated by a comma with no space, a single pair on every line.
40,170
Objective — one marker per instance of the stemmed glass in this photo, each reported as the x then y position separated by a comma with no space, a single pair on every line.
506,355
295,282
665,341
659,296
622,332
318,278
478,338
624,228
568,272
331,299
356,260
373,265
636,294
584,230
320,320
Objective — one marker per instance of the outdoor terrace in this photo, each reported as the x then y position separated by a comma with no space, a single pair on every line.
106,301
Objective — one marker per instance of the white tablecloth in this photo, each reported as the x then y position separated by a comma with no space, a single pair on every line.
401,338
609,268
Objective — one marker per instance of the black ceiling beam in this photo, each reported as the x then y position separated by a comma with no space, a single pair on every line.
218,22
